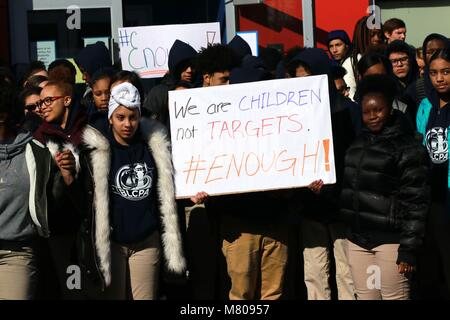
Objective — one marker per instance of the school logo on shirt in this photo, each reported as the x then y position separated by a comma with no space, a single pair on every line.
133,182
437,144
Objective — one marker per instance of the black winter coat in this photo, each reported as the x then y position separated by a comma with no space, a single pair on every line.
385,194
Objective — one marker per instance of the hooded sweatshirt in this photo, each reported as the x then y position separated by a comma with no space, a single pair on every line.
93,58
422,88
346,122
15,221
401,46
133,197
180,52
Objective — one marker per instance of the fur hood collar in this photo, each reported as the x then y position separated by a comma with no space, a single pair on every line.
157,140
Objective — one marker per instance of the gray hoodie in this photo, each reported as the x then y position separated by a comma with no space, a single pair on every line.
15,221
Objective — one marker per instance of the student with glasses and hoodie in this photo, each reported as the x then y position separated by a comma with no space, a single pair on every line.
433,122
126,197
25,173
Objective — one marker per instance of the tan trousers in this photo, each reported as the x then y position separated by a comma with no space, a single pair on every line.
316,238
18,273
256,258
135,270
375,273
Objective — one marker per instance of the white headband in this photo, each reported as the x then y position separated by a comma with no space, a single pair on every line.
124,94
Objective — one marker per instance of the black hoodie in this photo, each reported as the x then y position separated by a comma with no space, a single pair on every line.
344,120
93,58
401,46
422,88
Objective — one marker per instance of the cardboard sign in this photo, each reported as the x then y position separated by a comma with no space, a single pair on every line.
252,137
145,50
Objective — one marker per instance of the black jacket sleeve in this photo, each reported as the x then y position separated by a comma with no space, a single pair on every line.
413,201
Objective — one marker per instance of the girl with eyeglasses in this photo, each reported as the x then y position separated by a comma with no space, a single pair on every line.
61,130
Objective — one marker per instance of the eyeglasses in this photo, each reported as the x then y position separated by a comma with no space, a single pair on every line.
34,106
48,101
402,60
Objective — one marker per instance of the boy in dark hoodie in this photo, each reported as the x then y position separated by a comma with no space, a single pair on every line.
92,58
181,69
320,225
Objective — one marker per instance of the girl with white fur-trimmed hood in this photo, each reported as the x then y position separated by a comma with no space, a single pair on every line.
126,195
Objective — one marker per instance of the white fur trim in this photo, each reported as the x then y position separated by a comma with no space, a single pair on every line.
100,158
73,149
53,147
170,235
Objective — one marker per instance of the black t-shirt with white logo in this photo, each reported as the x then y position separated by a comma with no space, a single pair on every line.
132,192
437,145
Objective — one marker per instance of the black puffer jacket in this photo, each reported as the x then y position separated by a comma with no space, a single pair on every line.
385,194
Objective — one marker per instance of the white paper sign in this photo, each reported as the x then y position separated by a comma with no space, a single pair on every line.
145,50
46,51
251,37
252,137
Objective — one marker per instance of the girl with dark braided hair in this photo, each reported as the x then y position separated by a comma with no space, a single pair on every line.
365,38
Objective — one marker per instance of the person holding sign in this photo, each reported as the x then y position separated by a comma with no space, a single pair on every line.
385,196
254,232
319,224
125,193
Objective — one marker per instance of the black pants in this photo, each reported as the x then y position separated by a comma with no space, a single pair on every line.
433,265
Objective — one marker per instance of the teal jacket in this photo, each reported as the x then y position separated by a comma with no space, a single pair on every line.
423,114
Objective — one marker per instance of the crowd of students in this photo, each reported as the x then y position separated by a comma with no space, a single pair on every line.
86,179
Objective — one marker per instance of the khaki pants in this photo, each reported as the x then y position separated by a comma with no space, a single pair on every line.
18,272
135,270
316,238
375,273
256,258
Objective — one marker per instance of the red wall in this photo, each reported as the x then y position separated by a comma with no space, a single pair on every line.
280,21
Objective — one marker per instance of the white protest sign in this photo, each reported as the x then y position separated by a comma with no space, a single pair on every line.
252,137
46,52
145,50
